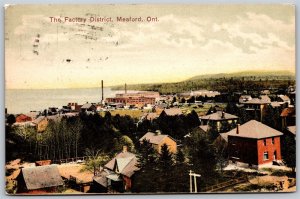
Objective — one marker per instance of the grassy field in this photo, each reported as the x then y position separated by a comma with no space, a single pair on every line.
200,110
122,112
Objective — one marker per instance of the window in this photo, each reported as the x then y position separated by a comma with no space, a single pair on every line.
265,142
273,140
266,156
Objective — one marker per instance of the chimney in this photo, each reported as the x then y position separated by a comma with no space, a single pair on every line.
102,90
124,149
238,129
125,88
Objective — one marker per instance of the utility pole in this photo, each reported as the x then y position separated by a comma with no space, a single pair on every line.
195,175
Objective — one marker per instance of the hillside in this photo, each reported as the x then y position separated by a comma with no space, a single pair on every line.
224,82
280,73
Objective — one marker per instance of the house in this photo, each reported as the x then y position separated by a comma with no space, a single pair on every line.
159,108
275,104
41,123
265,98
253,144
256,106
39,180
217,118
88,107
118,173
158,140
292,130
23,118
149,116
283,99
288,117
171,112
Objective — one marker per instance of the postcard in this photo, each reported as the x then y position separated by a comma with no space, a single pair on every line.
150,99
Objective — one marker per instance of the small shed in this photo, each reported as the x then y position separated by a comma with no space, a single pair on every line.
39,180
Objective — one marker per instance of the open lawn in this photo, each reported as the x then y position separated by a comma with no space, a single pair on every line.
122,112
201,109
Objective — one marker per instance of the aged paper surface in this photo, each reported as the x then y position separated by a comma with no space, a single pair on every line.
150,98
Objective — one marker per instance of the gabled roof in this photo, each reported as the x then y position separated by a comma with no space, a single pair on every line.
288,112
257,101
275,104
150,116
87,106
292,129
219,115
154,138
252,129
41,177
204,127
173,111
125,162
284,98
101,178
265,98
39,119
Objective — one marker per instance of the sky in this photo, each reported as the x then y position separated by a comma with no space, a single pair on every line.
180,42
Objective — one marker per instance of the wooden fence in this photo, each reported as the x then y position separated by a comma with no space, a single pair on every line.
68,160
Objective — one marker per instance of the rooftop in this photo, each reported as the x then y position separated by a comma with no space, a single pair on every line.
125,162
173,111
252,129
42,177
154,138
219,115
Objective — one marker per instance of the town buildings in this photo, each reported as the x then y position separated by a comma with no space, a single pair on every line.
118,172
217,119
39,180
158,140
253,144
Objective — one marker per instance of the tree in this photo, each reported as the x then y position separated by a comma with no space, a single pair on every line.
123,141
179,157
165,158
95,160
11,119
202,154
147,154
289,151
213,131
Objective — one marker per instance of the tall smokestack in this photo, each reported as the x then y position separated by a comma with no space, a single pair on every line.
102,90
125,88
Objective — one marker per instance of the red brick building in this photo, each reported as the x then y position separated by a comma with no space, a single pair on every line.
254,144
131,100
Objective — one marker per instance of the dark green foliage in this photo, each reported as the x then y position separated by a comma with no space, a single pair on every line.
162,174
180,157
202,154
222,84
147,155
272,117
10,119
213,131
289,151
165,158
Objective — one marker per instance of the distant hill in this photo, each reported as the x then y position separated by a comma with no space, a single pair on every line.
249,73
224,82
